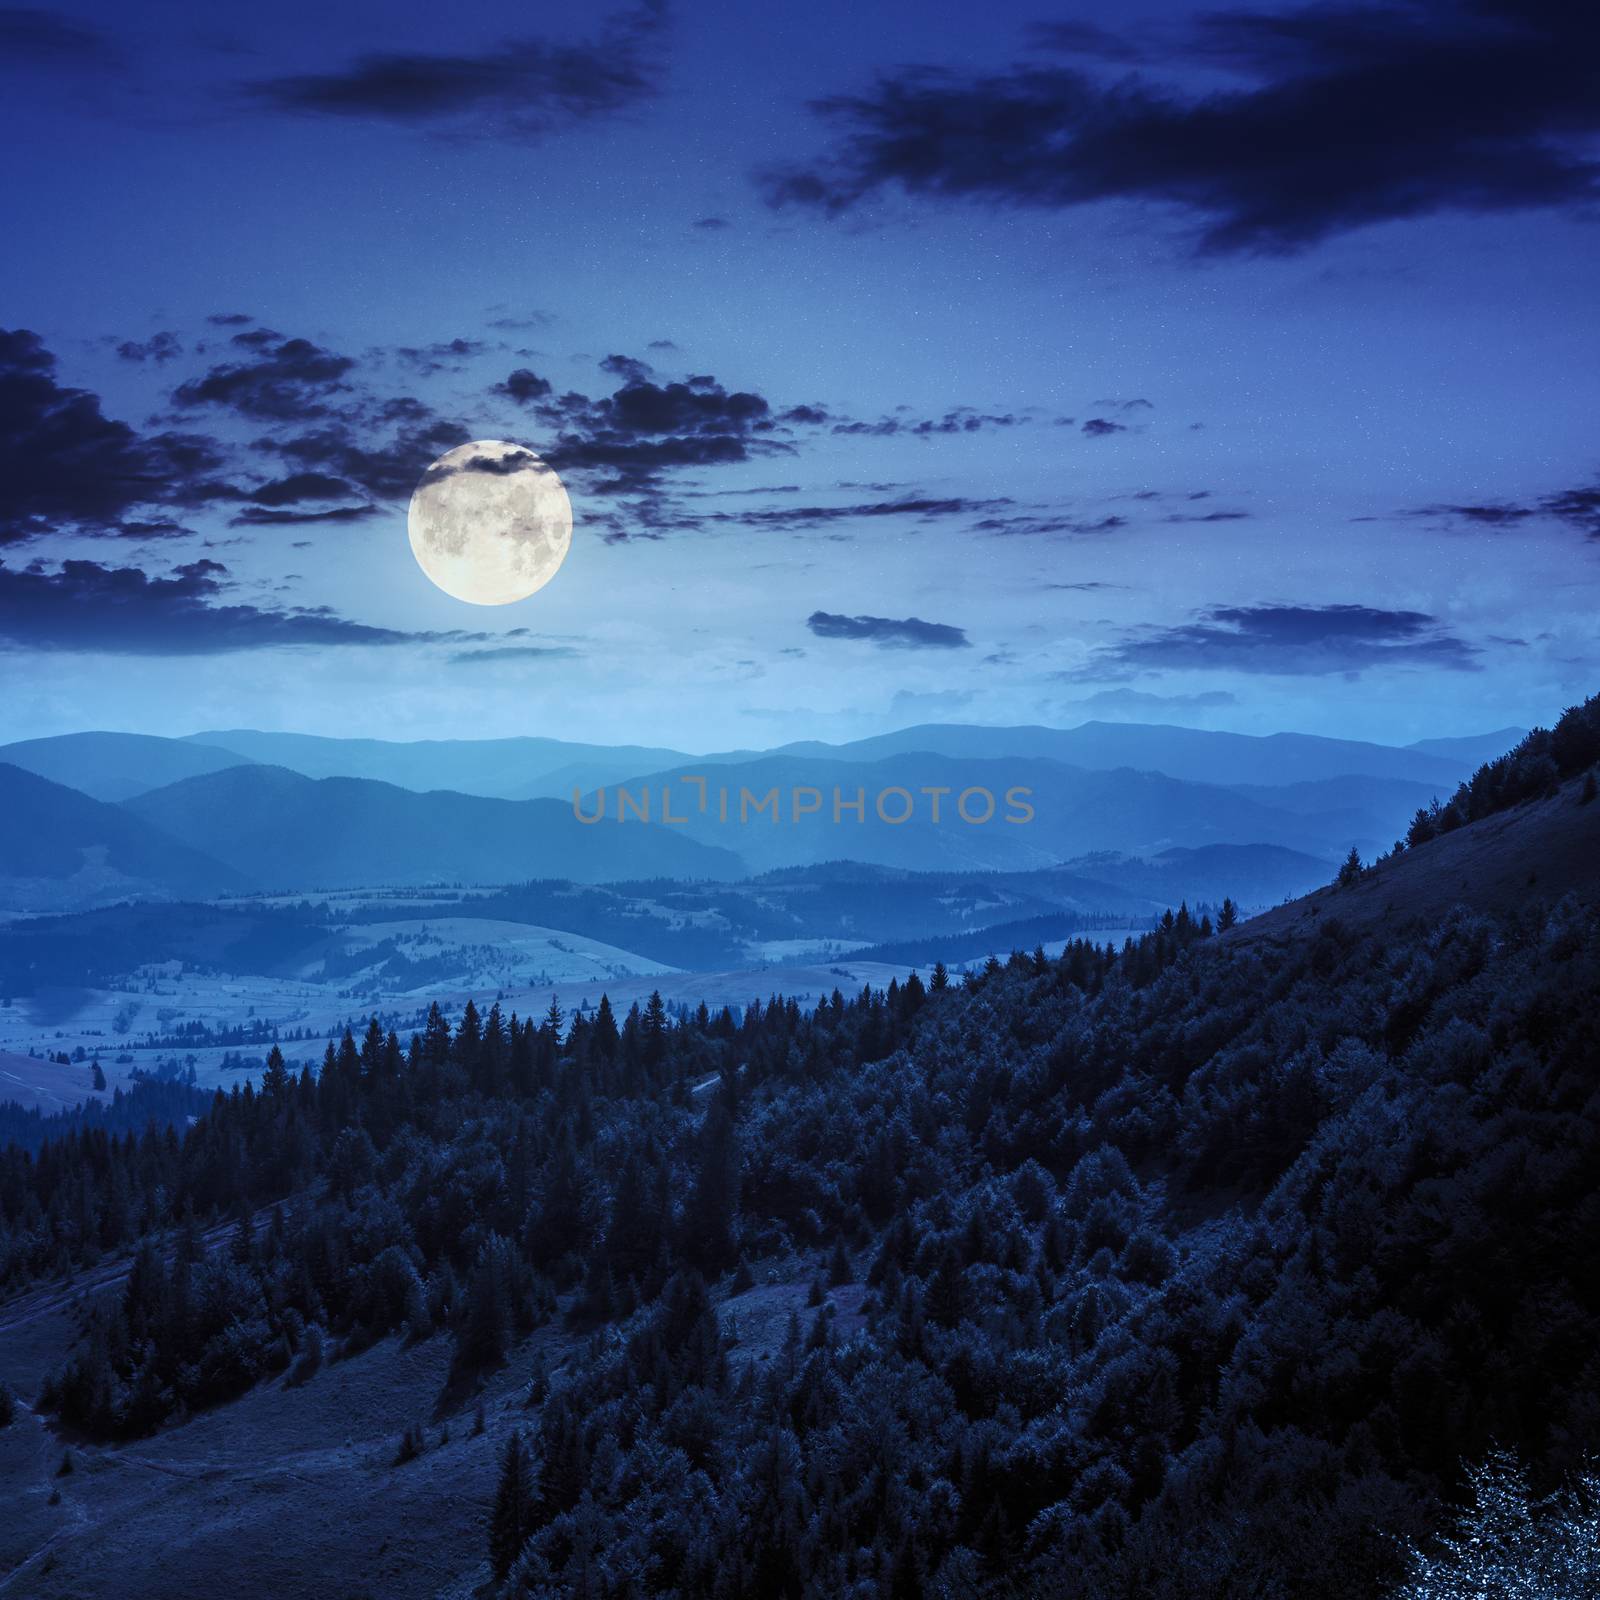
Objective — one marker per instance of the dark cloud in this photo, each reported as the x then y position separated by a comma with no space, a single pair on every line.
712,224
904,633
495,466
230,319
125,611
963,419
385,468
1292,641
629,368
1099,428
1034,525
48,39
520,90
287,517
626,442
1577,508
1351,114
159,348
278,381
65,465
511,652
445,355
299,486
662,344
523,386
812,516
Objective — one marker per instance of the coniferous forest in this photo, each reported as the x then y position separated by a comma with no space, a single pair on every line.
1199,1267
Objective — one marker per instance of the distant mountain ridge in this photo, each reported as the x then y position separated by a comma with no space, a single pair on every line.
117,766
1075,811
1192,754
62,849
502,769
281,830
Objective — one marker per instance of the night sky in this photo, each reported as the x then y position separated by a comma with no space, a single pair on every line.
910,362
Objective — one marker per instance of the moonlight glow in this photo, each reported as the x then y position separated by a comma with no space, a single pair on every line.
490,523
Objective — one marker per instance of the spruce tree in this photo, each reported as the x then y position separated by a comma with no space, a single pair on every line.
511,1521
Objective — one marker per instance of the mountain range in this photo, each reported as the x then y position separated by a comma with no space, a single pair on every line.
122,815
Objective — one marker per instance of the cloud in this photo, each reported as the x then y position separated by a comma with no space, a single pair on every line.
523,386
1099,428
520,91
1576,508
444,355
387,469
911,505
908,633
1291,641
124,611
1035,525
283,517
1472,106
963,419
627,441
512,652
280,379
712,224
65,465
47,39
159,348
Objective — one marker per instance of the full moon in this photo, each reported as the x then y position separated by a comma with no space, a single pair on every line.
490,523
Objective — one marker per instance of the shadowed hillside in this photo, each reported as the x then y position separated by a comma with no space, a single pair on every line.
1193,1268
59,848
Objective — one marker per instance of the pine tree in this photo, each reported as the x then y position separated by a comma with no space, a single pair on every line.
839,1269
99,1074
511,1520
275,1080
940,981
1227,916
1351,871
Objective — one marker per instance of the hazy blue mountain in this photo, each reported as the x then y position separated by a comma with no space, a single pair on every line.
287,831
1371,812
1473,748
1251,874
62,849
116,766
1194,754
507,769
1075,812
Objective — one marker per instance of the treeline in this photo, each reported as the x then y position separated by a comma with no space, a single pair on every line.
1545,758
1017,935
1190,1270
128,1111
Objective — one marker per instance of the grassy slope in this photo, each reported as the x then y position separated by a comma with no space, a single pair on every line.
1533,852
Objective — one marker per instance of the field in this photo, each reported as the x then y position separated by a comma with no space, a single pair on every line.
390,960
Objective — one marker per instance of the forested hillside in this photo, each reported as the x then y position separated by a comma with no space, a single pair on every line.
1191,1269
